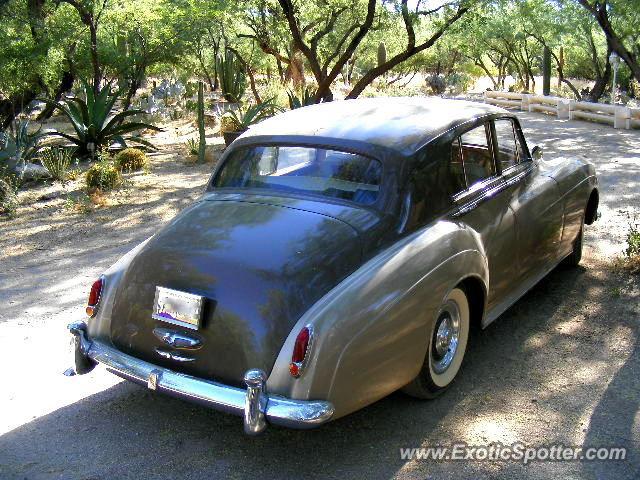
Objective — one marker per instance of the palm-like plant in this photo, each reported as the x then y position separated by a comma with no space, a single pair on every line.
94,124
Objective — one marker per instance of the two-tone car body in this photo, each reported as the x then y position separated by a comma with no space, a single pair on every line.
340,252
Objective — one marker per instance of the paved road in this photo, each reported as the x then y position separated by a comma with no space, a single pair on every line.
561,366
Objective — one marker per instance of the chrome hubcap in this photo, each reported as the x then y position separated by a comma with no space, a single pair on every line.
445,338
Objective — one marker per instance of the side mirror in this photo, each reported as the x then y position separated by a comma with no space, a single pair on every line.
536,153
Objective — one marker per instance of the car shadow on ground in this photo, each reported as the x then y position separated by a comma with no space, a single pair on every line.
534,376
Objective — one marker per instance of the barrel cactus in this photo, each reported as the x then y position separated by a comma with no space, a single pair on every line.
130,160
103,175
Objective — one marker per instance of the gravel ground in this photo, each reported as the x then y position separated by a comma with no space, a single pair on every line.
560,366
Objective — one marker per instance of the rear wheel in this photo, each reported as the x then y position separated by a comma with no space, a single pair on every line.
447,346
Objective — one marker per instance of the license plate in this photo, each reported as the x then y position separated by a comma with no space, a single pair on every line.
179,308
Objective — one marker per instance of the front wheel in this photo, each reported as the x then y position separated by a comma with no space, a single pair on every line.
573,260
447,346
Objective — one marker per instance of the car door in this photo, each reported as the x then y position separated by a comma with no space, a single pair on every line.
484,205
534,199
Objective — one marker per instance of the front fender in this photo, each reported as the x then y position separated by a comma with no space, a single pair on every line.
371,331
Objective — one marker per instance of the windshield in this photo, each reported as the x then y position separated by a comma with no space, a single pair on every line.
316,171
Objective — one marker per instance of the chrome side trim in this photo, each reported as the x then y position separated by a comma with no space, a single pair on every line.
254,403
494,187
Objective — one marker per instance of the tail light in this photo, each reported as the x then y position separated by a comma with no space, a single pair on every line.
94,296
301,351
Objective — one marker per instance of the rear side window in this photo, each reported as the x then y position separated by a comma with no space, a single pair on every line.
310,170
507,148
476,155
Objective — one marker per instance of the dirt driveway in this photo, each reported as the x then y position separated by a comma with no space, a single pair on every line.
560,367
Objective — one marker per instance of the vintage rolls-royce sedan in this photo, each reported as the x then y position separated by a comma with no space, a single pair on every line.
339,252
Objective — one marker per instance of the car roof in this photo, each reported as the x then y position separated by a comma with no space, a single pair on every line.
403,124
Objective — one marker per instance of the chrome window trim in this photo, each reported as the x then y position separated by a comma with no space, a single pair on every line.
494,135
489,190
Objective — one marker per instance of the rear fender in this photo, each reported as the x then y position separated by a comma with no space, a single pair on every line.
99,327
371,331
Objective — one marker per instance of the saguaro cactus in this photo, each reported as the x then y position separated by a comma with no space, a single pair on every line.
203,141
546,71
382,54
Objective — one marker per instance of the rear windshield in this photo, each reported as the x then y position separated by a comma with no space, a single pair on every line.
303,170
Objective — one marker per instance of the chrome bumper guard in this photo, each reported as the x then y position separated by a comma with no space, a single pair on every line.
256,406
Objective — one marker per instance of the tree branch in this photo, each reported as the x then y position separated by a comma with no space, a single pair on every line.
404,55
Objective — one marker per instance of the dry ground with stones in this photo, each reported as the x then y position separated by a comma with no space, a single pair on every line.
560,366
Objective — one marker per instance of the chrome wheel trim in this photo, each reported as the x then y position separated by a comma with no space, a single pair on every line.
456,303
446,337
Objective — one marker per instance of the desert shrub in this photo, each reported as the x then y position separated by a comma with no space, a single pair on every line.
78,204
103,175
191,105
130,160
57,162
8,198
631,259
436,84
634,89
272,88
633,241
458,83
192,146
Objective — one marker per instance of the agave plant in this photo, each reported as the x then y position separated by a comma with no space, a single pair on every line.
94,123
18,146
245,117
307,97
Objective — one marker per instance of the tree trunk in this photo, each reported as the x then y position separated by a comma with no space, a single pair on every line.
10,108
95,63
134,85
65,85
602,81
600,13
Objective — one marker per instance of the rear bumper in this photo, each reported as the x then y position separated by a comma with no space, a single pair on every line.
254,404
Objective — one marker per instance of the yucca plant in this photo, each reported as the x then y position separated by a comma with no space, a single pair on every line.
57,161
94,123
192,146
